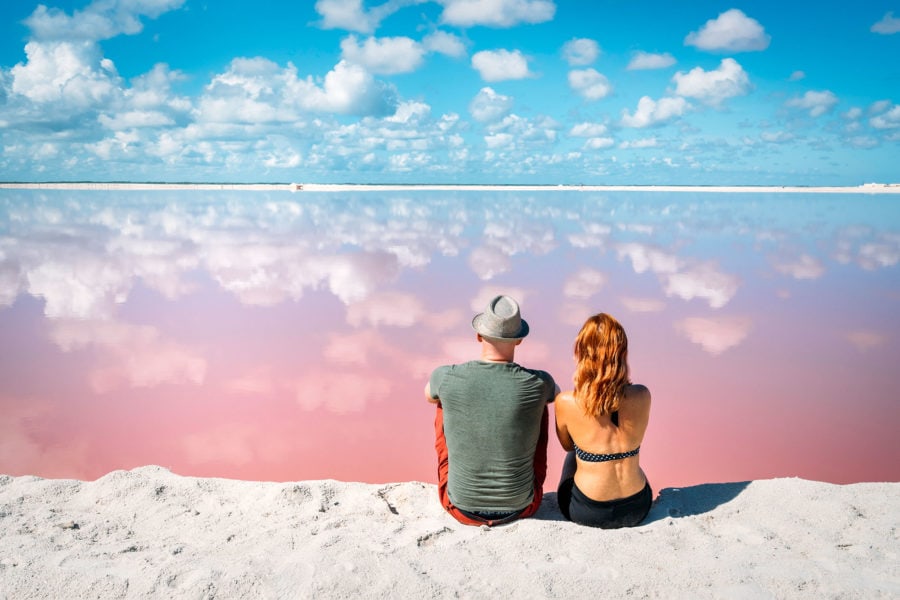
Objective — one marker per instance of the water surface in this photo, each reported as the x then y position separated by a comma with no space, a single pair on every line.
278,336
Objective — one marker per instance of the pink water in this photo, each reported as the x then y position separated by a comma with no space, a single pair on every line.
285,337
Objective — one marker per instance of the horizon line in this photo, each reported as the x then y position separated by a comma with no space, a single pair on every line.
871,188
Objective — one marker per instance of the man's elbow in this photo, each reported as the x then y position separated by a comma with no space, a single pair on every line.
428,395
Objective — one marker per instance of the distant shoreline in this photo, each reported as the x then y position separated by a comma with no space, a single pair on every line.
868,188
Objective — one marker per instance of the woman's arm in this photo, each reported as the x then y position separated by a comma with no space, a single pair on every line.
562,407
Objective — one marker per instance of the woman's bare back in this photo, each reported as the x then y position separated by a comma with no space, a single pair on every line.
606,479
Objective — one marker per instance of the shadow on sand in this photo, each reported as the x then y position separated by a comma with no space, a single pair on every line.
693,500
671,502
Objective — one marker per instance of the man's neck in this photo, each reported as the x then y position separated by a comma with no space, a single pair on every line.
491,353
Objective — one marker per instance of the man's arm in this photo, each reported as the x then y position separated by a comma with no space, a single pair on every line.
428,395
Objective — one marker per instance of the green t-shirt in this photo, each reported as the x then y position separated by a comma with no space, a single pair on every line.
492,420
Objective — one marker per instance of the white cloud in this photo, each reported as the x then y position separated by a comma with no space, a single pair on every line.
641,143
865,339
800,267
599,143
488,261
488,106
408,161
80,286
881,253
713,87
888,24
498,140
11,282
574,314
879,106
348,89
797,76
352,16
135,119
650,112
817,103
715,335
354,277
590,84
862,141
870,252
526,130
580,52
386,308
257,90
584,283
645,60
500,65
587,130
776,137
504,239
135,355
496,13
444,43
409,113
890,119
281,159
642,304
361,347
251,91
682,278
122,143
100,20
731,31
341,391
65,72
386,56
647,258
702,281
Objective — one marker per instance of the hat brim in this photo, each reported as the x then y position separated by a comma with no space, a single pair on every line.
479,329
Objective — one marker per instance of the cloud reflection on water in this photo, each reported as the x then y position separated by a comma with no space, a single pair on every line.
303,310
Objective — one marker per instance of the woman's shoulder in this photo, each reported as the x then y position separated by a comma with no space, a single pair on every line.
637,390
566,396
636,400
565,400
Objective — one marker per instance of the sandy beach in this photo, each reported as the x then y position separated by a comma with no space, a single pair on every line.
149,533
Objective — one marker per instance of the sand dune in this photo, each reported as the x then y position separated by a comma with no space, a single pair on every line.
149,533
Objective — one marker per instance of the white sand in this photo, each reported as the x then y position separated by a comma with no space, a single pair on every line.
148,533
868,188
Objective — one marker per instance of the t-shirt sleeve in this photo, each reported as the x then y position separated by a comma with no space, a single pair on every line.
436,379
549,386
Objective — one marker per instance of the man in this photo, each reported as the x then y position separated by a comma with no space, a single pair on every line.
491,424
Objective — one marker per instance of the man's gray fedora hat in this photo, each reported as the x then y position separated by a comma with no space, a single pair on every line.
501,320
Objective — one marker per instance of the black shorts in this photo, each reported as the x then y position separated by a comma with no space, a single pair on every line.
609,514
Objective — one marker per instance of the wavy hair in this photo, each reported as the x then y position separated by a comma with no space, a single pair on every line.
601,372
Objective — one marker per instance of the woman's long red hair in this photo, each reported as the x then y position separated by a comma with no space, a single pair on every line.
601,372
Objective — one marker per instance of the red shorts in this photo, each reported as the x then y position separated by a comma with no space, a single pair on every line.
540,472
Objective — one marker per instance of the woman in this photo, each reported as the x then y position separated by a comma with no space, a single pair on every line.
602,423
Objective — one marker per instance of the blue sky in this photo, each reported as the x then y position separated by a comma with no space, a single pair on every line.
451,91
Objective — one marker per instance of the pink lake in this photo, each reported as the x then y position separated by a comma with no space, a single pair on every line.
278,336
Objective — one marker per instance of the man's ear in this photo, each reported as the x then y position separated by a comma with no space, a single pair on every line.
519,341
478,337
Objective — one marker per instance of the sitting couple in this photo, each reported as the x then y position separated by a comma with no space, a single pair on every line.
492,422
